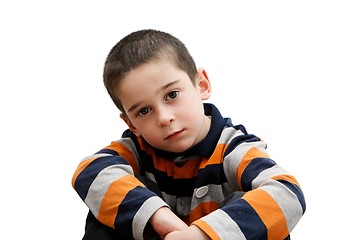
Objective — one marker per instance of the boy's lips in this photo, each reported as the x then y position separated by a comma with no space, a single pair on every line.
174,134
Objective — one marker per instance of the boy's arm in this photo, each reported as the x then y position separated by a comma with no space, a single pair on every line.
164,221
273,202
106,183
170,227
191,233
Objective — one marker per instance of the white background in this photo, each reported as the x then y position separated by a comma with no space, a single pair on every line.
284,69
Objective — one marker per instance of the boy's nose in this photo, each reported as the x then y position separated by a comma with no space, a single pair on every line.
165,118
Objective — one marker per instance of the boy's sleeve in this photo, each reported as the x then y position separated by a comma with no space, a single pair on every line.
105,182
273,202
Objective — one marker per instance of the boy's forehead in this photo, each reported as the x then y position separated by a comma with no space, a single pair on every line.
154,70
152,76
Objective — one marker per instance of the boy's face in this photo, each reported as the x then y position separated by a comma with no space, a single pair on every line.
164,107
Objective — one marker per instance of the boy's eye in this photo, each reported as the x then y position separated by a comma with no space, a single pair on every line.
143,111
172,95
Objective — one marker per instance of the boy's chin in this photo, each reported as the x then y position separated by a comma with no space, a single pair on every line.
178,149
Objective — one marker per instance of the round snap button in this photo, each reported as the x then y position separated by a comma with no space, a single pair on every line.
201,192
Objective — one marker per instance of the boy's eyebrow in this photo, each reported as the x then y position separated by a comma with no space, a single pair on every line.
161,89
167,85
134,106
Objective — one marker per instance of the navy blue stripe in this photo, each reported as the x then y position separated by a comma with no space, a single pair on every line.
247,219
211,174
178,187
88,175
108,151
297,191
254,168
132,202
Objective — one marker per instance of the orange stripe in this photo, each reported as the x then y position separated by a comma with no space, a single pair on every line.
269,212
188,170
121,149
207,229
145,146
288,178
251,154
81,167
202,210
217,157
125,153
114,196
163,165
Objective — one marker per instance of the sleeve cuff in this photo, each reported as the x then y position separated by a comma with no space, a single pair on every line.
144,214
219,225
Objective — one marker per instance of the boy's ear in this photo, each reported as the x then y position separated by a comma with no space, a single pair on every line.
203,83
129,124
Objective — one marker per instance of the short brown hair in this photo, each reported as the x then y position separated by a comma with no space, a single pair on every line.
141,47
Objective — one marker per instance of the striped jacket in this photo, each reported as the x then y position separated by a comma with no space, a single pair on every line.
193,185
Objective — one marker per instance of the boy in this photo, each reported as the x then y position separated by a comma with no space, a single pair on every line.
181,170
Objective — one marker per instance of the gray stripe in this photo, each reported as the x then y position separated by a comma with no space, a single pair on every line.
267,174
101,184
181,206
286,200
228,134
233,159
214,194
223,225
132,148
142,216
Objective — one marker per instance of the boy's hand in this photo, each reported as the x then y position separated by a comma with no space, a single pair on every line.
165,221
190,233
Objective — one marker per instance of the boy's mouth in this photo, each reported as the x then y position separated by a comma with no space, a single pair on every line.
174,135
